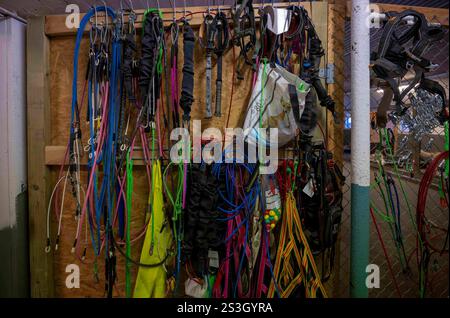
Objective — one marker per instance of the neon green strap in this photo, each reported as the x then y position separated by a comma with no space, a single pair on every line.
129,194
397,174
446,147
263,80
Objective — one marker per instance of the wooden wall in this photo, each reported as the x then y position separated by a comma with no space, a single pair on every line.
50,56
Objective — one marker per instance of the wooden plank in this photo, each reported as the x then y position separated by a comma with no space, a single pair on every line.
432,14
335,49
319,17
54,156
61,76
38,129
55,24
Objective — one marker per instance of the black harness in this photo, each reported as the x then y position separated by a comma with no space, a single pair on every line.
244,34
321,206
400,52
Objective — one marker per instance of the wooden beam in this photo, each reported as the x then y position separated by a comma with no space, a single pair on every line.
55,25
432,14
54,156
38,132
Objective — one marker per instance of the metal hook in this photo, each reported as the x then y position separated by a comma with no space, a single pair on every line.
173,3
130,5
94,27
94,7
106,14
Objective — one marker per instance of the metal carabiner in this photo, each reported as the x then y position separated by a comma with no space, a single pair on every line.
93,26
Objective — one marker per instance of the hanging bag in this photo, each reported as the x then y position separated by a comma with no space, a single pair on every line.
277,101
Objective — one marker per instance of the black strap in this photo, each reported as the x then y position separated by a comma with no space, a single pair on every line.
244,33
316,53
187,97
220,25
129,51
210,31
174,30
294,103
153,28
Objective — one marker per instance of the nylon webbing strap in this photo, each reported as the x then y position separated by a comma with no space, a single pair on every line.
221,29
187,88
209,49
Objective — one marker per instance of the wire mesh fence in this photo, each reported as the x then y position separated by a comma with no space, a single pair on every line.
414,141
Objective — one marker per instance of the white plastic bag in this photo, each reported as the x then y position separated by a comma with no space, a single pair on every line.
277,110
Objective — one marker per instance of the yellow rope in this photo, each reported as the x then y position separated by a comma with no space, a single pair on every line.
292,232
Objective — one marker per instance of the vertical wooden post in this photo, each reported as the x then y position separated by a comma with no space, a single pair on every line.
336,35
38,131
319,16
335,49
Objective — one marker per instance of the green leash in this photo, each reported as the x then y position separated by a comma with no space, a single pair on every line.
263,80
129,194
446,147
397,175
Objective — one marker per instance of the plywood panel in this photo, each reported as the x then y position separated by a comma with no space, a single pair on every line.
61,73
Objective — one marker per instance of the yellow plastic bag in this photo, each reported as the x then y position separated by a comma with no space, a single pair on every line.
151,281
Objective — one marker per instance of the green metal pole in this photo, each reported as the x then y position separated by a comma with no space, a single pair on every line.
359,250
